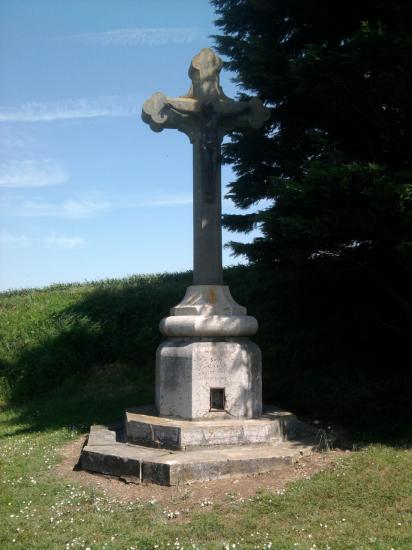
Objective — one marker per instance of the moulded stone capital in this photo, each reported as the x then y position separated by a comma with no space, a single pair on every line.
208,326
208,300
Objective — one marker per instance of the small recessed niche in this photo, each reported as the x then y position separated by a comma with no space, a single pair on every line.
217,399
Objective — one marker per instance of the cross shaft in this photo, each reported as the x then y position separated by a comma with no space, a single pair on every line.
205,114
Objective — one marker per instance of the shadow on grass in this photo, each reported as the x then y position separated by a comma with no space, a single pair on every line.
80,402
328,352
335,343
96,358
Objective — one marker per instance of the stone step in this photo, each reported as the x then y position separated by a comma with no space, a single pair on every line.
138,463
144,427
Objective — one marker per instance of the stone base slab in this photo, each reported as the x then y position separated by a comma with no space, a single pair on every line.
140,464
143,427
108,452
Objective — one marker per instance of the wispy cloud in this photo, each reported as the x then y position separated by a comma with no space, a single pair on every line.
14,139
66,209
86,208
167,201
62,242
14,241
91,107
89,207
31,173
157,36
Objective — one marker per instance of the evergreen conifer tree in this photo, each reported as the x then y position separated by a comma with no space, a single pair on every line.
333,167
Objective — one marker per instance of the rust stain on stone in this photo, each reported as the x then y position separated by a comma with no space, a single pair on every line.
212,296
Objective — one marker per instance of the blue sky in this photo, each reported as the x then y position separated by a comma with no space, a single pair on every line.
88,191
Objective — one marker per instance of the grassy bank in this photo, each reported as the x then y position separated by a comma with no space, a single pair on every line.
335,342
48,336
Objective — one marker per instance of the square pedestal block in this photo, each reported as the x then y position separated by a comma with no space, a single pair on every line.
204,378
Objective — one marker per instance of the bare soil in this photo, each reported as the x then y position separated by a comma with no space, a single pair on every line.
219,491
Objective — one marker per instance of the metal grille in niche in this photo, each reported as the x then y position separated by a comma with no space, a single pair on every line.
217,399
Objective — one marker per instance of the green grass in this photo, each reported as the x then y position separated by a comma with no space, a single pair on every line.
75,355
363,501
49,335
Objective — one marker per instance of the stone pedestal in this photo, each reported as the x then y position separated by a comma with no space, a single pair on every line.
190,372
208,367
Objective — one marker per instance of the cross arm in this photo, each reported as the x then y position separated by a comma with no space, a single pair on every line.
243,114
162,112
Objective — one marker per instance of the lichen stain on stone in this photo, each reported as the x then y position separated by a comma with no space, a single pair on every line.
211,296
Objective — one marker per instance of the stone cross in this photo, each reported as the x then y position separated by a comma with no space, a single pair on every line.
205,114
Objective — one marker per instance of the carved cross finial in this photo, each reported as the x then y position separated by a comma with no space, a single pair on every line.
204,73
188,113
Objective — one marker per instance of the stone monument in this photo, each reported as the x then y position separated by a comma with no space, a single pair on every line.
208,367
208,372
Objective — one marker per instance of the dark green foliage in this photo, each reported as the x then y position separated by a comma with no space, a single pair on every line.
335,161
